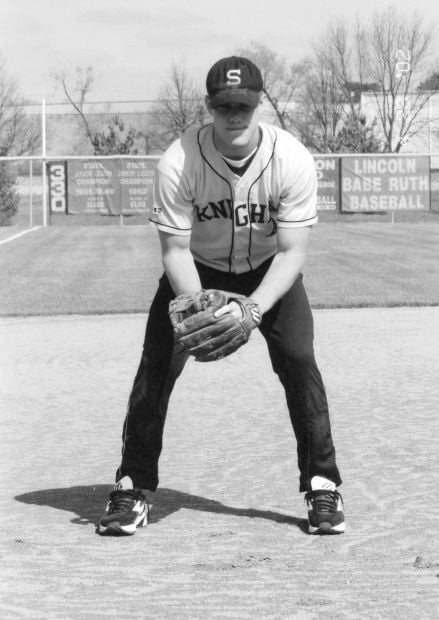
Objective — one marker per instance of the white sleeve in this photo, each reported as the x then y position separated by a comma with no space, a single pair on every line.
172,207
298,200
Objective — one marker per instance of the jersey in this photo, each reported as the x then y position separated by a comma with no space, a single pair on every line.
232,219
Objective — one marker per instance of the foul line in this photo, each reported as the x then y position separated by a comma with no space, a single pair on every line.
23,232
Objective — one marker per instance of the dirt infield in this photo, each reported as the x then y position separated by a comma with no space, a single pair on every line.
227,535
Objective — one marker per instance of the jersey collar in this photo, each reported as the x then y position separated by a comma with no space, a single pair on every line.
215,160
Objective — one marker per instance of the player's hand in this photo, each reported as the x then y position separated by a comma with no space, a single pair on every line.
234,309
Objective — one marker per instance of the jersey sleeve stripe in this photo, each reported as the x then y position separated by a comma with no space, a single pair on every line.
296,221
161,225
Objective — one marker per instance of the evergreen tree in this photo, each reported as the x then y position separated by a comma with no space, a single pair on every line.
357,136
8,195
114,139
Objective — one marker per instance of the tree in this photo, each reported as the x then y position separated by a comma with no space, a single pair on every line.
310,99
431,83
319,110
19,134
368,71
357,136
113,137
399,50
324,121
76,90
282,80
179,107
8,194
332,95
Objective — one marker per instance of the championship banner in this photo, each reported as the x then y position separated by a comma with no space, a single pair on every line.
57,177
110,186
392,183
93,187
136,178
328,183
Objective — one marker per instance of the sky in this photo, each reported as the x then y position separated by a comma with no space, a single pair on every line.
131,43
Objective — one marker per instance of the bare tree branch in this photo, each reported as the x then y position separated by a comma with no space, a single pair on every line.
77,93
19,133
110,139
400,50
180,106
281,79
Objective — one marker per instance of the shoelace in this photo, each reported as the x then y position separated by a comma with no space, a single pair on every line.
323,501
121,500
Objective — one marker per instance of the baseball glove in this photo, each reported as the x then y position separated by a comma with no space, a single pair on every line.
208,337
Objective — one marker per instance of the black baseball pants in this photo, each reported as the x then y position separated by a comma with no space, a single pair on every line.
288,331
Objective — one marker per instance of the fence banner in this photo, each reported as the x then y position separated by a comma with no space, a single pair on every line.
136,178
328,183
392,183
93,186
110,187
57,175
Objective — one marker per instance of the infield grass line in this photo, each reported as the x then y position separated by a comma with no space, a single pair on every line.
23,232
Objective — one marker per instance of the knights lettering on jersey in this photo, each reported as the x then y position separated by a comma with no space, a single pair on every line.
223,209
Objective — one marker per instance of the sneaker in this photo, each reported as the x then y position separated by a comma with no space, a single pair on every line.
127,509
325,515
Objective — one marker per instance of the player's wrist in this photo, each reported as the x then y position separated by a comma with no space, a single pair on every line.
261,301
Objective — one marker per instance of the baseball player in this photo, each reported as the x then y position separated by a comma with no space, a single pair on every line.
234,204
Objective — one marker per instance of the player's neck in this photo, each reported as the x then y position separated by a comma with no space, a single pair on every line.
233,151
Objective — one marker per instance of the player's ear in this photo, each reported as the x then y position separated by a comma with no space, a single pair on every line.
208,104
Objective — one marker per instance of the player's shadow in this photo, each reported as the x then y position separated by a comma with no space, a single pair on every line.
88,503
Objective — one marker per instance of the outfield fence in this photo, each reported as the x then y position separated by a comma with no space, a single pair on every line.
117,189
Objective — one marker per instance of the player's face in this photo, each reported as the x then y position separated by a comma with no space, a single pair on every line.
236,129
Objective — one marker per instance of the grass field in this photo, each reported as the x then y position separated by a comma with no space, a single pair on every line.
76,270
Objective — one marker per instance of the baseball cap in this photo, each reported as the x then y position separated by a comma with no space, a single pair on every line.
234,80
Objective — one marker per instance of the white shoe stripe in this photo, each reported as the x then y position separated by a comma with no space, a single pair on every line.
341,527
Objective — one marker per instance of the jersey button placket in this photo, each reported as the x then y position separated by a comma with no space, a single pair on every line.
241,203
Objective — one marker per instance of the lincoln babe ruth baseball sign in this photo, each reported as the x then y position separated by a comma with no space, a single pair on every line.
372,183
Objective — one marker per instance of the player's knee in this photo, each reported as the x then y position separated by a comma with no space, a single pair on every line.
297,350
299,355
289,357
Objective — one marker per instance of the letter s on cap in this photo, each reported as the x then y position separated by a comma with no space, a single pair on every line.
233,77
